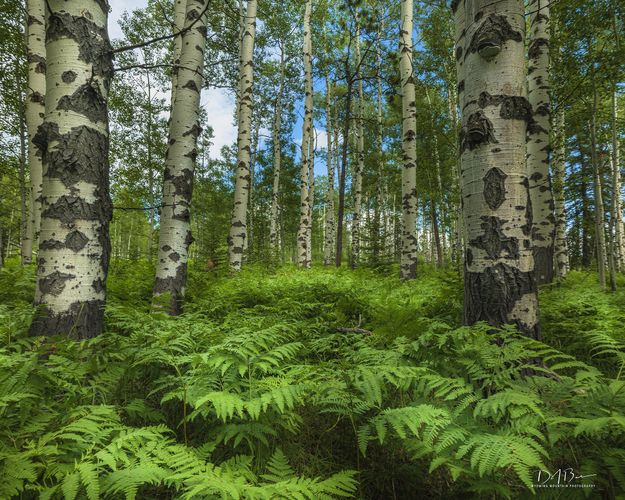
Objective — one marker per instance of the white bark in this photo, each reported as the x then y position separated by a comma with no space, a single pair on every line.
359,165
499,267
73,140
538,146
408,263
617,202
184,129
274,238
302,242
561,257
35,110
238,227
330,225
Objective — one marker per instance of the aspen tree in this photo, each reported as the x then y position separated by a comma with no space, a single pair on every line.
184,129
35,110
277,155
617,204
302,241
359,165
561,257
330,229
538,145
408,262
238,226
73,142
499,267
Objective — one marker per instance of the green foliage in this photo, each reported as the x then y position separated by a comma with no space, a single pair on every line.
254,392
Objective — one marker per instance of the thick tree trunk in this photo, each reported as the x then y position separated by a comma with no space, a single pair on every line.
184,129
359,164
238,226
35,109
330,229
408,263
561,256
277,157
499,267
73,142
538,146
303,253
617,203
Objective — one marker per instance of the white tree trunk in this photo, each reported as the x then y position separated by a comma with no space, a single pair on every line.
184,129
311,194
330,229
302,241
73,141
561,256
538,146
360,159
408,263
238,227
499,273
617,202
35,110
277,155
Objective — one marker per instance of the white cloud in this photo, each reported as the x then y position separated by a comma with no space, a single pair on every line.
219,106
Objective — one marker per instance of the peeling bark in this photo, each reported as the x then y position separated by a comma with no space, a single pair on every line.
238,227
499,267
184,129
408,262
538,142
73,145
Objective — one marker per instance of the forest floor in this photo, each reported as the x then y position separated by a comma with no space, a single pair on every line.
317,384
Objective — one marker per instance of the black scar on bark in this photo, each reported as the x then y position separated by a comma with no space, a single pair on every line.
513,107
469,257
93,42
51,244
79,155
527,227
183,182
491,35
188,239
536,47
491,296
458,53
54,283
495,188
40,62
33,20
86,100
543,110
83,320
455,4
494,242
69,209
173,286
175,256
76,240
194,131
37,97
191,85
461,86
183,215
478,130
166,248
68,76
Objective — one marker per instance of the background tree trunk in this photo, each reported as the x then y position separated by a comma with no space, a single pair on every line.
35,110
302,240
359,165
330,229
238,226
617,204
499,274
538,146
73,141
184,129
561,255
277,155
408,263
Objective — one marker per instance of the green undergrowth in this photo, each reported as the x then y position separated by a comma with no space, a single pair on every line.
309,385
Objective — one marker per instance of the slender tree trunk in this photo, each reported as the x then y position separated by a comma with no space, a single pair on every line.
238,227
408,264
561,255
250,202
311,194
304,222
73,141
378,232
330,229
35,109
617,204
184,129
26,247
599,215
359,164
343,166
277,156
499,274
538,146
